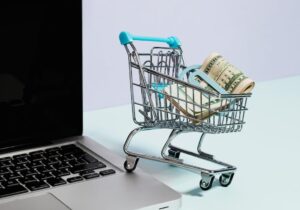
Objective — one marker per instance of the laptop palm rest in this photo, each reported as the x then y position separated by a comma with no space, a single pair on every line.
45,202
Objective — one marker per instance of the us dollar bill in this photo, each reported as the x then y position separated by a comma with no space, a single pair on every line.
192,103
227,75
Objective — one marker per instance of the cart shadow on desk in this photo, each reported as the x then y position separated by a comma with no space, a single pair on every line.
197,191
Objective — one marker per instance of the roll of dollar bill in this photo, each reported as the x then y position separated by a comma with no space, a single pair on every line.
226,75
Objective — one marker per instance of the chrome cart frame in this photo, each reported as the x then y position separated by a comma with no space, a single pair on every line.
152,107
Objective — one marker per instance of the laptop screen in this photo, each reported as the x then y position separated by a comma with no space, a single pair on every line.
40,71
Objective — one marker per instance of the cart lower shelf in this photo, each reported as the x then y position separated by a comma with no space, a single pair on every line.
171,154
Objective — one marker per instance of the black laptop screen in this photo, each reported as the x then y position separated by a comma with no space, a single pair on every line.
40,71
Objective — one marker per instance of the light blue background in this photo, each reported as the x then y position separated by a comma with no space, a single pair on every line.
260,37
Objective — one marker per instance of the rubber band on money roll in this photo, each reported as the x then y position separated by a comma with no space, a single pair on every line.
199,78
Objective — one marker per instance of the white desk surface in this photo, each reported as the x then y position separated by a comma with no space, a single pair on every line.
266,152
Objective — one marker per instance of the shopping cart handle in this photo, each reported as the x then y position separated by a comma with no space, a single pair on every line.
126,38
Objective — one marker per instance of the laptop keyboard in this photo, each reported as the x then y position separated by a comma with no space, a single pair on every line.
48,168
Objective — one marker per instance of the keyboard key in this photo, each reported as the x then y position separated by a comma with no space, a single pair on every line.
21,160
71,149
28,172
33,186
61,172
78,152
17,168
12,190
91,176
64,152
64,165
14,175
55,166
27,179
56,181
77,162
10,183
90,166
53,149
37,157
107,172
36,164
88,158
59,166
43,176
4,171
6,163
69,157
86,172
52,160
5,159
45,169
52,154
75,179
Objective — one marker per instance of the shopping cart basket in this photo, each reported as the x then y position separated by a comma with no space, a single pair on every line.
152,75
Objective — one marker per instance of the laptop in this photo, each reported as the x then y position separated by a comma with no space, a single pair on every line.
45,162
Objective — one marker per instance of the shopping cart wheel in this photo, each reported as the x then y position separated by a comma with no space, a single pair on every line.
174,153
206,182
225,179
131,164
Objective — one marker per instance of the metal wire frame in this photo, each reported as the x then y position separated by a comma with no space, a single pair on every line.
152,108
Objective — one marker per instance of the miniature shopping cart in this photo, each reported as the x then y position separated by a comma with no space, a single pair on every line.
154,107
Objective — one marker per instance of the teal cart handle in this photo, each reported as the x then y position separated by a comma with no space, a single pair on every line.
126,38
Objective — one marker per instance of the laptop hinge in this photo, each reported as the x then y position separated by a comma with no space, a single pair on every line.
32,145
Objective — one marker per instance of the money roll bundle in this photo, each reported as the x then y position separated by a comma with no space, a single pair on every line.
198,106
226,75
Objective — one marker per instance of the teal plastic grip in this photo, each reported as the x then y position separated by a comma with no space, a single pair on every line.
195,71
159,87
126,38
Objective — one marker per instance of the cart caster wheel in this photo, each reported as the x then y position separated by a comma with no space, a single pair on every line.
225,179
206,184
130,165
174,153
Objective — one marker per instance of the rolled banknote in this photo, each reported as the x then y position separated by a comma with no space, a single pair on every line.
226,75
193,103
196,105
